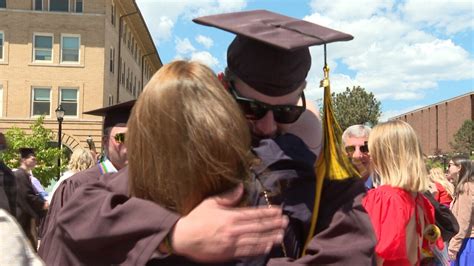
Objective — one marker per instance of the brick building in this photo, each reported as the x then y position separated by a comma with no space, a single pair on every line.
82,54
436,124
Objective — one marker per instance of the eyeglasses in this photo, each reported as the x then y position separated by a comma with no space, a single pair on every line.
120,137
255,110
362,148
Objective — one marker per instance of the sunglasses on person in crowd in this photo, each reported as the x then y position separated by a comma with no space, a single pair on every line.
362,148
255,110
120,137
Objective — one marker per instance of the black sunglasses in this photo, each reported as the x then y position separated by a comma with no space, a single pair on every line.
351,149
120,137
255,110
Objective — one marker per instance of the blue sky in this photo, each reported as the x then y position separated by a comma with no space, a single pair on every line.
408,53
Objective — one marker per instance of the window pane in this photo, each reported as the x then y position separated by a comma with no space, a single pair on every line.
38,4
3,3
70,108
59,5
70,55
43,55
41,108
44,42
71,42
78,6
41,95
68,95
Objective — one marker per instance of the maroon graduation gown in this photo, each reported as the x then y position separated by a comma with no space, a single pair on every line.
101,225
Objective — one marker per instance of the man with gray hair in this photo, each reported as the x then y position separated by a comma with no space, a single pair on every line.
355,140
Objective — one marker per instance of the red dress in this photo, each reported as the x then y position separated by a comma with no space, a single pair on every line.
442,196
390,209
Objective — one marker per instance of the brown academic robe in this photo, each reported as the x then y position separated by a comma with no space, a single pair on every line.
29,205
344,234
112,228
60,197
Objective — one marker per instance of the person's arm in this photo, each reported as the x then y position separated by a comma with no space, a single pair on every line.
96,219
463,211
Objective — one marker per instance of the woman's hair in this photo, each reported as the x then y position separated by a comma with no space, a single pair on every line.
465,173
187,138
81,159
437,176
396,156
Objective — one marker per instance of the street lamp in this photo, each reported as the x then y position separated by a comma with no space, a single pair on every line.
60,116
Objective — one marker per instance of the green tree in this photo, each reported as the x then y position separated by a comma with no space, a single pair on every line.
464,138
46,154
355,106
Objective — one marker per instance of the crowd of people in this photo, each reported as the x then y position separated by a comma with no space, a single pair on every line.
206,169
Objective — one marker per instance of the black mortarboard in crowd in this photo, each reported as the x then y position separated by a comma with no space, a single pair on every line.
26,152
270,52
114,114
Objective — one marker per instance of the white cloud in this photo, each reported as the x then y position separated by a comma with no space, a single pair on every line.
350,10
205,41
165,13
184,46
205,58
389,56
447,16
164,29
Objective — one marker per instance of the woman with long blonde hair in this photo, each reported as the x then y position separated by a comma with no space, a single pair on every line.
443,189
399,212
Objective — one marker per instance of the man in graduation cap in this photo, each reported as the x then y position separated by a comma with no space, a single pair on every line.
115,158
268,81
30,205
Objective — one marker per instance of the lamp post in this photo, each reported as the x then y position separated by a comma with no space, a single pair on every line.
59,116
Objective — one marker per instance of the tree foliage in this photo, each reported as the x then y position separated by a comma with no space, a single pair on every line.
39,139
464,138
356,106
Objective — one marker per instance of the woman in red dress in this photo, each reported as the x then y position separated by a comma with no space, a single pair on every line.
400,214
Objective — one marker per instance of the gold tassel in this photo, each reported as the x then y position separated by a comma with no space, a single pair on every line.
332,162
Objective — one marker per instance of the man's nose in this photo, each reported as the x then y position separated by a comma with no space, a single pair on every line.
357,153
266,126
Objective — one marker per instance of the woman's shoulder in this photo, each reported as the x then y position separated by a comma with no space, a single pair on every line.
387,196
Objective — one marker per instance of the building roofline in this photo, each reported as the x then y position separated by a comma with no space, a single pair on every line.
431,105
148,31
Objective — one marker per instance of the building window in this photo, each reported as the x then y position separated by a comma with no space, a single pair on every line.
38,5
70,45
78,6
112,14
124,32
111,99
41,101
69,101
3,3
43,47
123,73
1,45
112,59
59,5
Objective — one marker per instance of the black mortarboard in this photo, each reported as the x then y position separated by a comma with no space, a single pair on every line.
270,52
26,152
114,114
